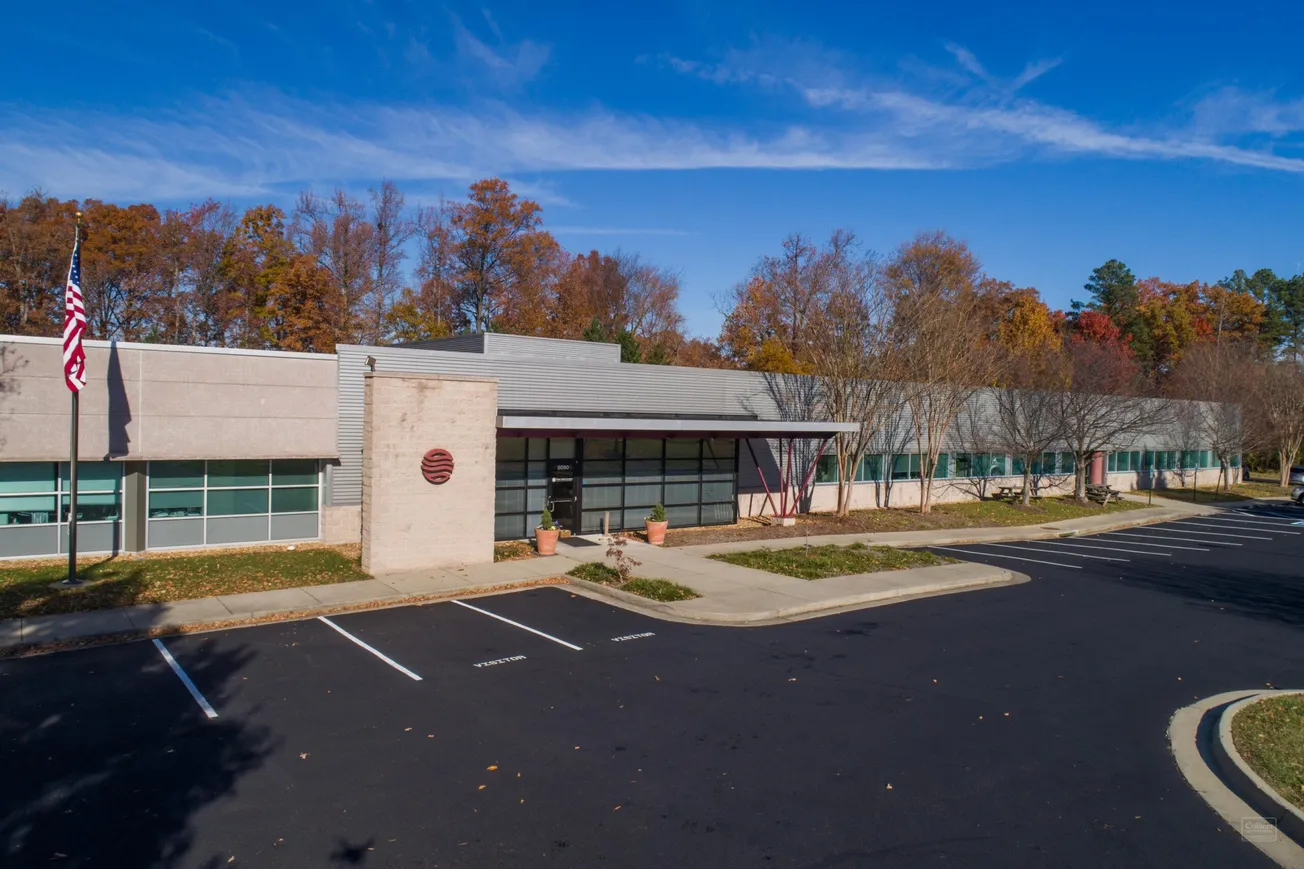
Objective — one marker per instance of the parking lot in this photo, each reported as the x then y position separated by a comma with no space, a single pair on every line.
1016,726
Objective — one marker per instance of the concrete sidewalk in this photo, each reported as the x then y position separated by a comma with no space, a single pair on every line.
729,594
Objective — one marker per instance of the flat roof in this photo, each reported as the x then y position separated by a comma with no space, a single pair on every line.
675,427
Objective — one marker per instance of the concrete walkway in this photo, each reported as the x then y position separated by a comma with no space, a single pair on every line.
729,594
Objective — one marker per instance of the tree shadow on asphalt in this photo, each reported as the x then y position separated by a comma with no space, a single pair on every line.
108,768
1277,597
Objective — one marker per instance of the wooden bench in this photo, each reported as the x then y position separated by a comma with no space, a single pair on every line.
1102,494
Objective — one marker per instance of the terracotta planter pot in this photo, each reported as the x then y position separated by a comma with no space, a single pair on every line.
656,531
546,541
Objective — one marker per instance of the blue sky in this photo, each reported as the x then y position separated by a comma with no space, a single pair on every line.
699,134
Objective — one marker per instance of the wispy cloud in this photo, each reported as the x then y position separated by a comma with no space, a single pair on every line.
263,143
509,63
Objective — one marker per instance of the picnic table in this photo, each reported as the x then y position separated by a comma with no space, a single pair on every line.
1102,494
1009,493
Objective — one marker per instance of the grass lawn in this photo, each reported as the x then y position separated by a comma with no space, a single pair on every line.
967,514
1238,492
818,562
656,589
26,587
1270,736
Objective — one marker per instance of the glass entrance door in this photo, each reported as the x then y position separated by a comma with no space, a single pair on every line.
561,493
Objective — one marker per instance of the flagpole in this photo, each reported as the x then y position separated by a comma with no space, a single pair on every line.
72,464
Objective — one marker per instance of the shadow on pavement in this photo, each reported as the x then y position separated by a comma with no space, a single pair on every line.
106,761
1259,594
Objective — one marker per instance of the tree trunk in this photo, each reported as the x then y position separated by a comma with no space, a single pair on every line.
1285,467
1027,482
1080,480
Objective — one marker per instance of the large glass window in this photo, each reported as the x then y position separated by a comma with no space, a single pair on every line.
621,478
38,496
193,503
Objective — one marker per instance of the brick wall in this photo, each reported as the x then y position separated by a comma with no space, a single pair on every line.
408,523
341,524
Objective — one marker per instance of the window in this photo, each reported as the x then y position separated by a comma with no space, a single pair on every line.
195,503
905,467
871,468
36,500
28,493
1066,463
943,466
827,469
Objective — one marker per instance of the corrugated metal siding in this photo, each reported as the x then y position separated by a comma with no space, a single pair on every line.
572,384
455,344
590,352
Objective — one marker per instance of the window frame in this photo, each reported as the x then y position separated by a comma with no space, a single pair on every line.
204,516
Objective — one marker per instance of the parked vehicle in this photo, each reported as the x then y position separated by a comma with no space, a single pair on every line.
1297,495
1296,475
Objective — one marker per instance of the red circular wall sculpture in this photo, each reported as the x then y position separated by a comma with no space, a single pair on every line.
437,466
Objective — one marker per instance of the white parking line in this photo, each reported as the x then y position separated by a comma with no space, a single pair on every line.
1105,548
1257,526
1283,516
1156,545
1070,554
185,680
521,626
1011,557
1154,530
388,660
1189,524
1227,517
1185,529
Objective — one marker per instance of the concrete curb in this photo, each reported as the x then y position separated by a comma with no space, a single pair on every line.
1193,733
806,610
79,641
1245,781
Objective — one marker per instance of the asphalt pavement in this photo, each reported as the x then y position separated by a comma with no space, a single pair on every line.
1015,726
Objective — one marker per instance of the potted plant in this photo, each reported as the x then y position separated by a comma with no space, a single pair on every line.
546,534
656,525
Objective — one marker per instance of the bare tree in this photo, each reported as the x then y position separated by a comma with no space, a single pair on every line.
1028,423
337,234
1277,405
849,354
1099,407
931,282
391,231
1223,375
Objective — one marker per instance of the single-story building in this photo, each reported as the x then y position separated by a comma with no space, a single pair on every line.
426,453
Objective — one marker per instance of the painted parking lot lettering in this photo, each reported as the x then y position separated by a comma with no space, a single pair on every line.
629,637
494,663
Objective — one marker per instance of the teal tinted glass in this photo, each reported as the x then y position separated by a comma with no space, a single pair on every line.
294,472
302,500
27,477
176,475
236,502
175,504
241,473
93,476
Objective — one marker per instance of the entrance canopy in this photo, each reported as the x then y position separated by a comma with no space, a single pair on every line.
516,425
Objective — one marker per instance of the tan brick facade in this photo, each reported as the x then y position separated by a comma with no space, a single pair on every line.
408,523
341,524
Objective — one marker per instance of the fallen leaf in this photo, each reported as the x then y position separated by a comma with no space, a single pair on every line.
889,787
616,809
1007,715
492,768
406,729
480,788
303,755
792,680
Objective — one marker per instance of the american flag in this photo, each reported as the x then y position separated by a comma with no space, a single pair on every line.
74,325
